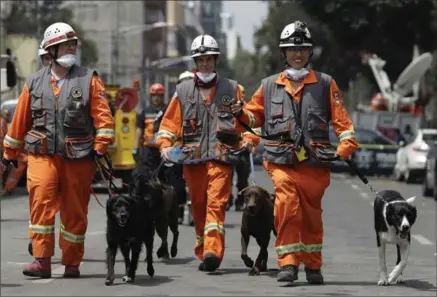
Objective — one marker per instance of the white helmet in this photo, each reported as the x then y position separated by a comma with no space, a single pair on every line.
58,33
186,75
41,50
296,34
204,45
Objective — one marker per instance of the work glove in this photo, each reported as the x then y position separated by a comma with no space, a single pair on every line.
98,155
247,145
237,107
5,164
165,153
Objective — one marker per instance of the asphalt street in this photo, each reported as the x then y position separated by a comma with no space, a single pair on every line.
350,254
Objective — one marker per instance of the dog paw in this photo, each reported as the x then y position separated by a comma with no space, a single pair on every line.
254,271
162,253
247,261
109,281
174,251
383,282
399,280
263,268
150,271
128,279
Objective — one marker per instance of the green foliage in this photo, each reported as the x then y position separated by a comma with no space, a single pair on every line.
23,19
346,29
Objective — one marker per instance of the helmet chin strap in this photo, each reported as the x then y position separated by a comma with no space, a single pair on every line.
55,56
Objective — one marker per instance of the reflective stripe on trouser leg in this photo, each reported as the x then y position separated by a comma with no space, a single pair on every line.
311,235
196,178
43,203
288,214
76,178
219,190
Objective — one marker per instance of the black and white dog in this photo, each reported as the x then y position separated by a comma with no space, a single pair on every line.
394,217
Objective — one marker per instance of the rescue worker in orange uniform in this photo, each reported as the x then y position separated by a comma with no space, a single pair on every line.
64,121
16,174
294,157
4,116
200,116
148,121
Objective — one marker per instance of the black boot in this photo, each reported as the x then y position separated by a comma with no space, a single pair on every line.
210,262
314,276
287,274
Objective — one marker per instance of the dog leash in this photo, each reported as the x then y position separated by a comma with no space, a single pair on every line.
252,169
361,176
205,159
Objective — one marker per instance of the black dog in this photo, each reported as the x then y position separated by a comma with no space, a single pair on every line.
257,221
394,217
166,215
129,224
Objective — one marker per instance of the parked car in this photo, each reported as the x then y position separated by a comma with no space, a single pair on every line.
411,157
429,184
375,156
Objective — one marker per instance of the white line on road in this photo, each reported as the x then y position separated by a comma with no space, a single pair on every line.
421,239
95,233
355,187
364,195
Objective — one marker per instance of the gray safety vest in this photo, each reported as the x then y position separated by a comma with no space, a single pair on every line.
315,115
208,131
61,125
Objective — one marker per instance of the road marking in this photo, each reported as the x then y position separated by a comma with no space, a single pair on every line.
57,273
355,187
421,239
17,263
95,233
364,195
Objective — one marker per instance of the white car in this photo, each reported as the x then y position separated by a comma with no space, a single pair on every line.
411,157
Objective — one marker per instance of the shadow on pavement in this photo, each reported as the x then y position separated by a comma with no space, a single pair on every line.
11,285
419,285
177,261
140,280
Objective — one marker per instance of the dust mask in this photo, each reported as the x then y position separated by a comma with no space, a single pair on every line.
206,77
67,60
296,74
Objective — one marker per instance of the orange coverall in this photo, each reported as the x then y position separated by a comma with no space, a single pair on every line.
3,131
51,176
209,184
299,189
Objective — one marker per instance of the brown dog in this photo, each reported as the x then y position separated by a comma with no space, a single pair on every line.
257,221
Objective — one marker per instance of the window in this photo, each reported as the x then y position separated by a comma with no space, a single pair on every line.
430,138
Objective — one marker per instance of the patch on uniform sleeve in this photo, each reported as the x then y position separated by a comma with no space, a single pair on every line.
76,92
103,94
226,100
337,97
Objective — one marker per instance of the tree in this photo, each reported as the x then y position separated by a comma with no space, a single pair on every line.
27,16
346,29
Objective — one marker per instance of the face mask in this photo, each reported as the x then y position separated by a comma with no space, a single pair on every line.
67,60
206,77
295,74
